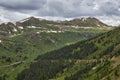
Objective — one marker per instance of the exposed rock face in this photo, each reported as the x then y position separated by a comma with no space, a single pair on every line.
9,29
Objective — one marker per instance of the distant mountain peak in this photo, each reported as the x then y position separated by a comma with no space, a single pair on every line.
87,22
32,18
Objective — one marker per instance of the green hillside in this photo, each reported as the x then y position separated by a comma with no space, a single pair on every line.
93,59
17,52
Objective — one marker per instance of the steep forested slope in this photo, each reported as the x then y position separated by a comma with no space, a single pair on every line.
93,59
93,48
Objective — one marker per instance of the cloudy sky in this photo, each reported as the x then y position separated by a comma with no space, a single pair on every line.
107,11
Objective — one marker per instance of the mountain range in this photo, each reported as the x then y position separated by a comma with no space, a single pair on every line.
12,29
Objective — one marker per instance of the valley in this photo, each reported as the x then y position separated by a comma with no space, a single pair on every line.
22,44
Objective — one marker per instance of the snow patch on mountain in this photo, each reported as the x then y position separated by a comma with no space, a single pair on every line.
31,26
0,41
83,19
20,27
15,30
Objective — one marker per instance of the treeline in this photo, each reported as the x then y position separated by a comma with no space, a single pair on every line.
44,70
71,52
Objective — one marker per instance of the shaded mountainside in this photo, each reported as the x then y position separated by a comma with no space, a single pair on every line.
94,59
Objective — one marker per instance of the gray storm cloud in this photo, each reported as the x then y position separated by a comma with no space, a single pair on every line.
102,9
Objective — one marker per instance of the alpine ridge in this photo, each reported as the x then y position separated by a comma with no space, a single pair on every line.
11,29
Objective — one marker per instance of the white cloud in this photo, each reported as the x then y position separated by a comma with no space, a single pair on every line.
10,16
110,20
3,19
106,10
